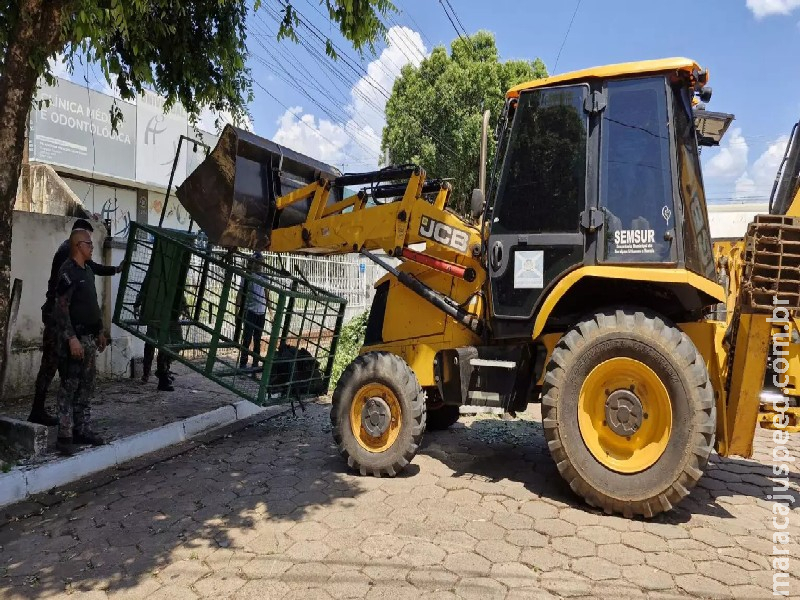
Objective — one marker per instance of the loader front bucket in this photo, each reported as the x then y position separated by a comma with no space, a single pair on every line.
231,194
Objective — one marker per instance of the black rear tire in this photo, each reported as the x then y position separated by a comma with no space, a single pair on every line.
643,338
369,454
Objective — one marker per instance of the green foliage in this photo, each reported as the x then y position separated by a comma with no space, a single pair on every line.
359,21
435,112
351,340
192,52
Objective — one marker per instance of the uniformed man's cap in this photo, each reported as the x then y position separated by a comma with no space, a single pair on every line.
82,224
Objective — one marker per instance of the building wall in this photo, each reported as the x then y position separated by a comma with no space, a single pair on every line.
117,204
42,190
35,240
731,220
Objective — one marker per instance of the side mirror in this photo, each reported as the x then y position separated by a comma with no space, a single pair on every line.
476,202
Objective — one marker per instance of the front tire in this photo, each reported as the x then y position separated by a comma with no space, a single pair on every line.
628,412
378,414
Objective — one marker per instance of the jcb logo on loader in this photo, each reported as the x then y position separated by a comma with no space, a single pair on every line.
444,234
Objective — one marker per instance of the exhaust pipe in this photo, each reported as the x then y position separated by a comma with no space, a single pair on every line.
484,150
232,194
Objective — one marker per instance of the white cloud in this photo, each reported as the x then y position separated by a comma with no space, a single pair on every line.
758,180
355,144
730,163
730,174
765,8
745,187
208,117
322,140
766,166
58,67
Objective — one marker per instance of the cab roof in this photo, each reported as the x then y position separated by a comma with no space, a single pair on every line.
621,69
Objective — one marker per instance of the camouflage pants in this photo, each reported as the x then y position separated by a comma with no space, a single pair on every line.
48,367
77,388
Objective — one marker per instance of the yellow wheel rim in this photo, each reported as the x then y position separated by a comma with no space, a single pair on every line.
375,417
624,415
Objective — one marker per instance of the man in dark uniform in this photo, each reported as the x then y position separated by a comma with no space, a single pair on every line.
78,325
49,364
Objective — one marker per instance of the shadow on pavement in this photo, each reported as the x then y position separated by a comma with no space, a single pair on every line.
496,450
276,499
244,489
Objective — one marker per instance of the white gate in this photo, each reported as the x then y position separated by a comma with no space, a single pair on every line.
349,276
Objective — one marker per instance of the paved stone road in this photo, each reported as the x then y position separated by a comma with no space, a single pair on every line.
271,513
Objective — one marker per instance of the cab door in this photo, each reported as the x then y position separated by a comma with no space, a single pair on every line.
535,222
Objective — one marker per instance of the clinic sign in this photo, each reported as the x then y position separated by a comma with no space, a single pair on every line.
157,136
72,129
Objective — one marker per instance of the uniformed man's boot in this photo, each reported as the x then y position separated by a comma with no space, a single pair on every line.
39,414
42,418
87,437
65,446
145,373
165,384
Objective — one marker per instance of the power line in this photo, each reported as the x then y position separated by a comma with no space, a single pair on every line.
348,121
455,14
388,74
402,38
325,110
294,114
419,29
449,18
566,34
364,74
361,73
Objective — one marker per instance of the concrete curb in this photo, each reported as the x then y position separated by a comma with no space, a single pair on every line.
20,484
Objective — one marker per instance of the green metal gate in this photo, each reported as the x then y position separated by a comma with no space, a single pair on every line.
192,300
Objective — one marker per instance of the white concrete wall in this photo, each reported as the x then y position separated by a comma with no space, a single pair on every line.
35,240
113,203
731,220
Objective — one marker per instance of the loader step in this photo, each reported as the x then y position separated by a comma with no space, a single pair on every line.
500,364
495,376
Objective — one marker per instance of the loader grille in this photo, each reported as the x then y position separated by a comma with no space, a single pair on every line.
190,300
772,264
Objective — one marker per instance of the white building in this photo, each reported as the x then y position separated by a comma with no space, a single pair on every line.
730,220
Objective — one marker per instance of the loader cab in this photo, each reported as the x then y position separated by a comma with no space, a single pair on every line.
595,168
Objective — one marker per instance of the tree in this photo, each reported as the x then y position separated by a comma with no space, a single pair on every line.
192,52
435,112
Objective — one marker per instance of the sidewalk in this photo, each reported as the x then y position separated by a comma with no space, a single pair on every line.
135,419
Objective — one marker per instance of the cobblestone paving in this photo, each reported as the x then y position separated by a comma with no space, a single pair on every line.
482,513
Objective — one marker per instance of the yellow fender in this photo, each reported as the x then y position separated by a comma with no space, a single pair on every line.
675,276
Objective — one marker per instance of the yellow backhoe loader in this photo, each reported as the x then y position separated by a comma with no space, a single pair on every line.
586,280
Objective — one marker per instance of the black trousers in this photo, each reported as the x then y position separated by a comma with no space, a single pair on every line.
253,330
163,362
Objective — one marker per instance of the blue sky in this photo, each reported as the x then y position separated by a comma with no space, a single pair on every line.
751,48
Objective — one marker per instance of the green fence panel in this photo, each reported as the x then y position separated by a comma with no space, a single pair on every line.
259,331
